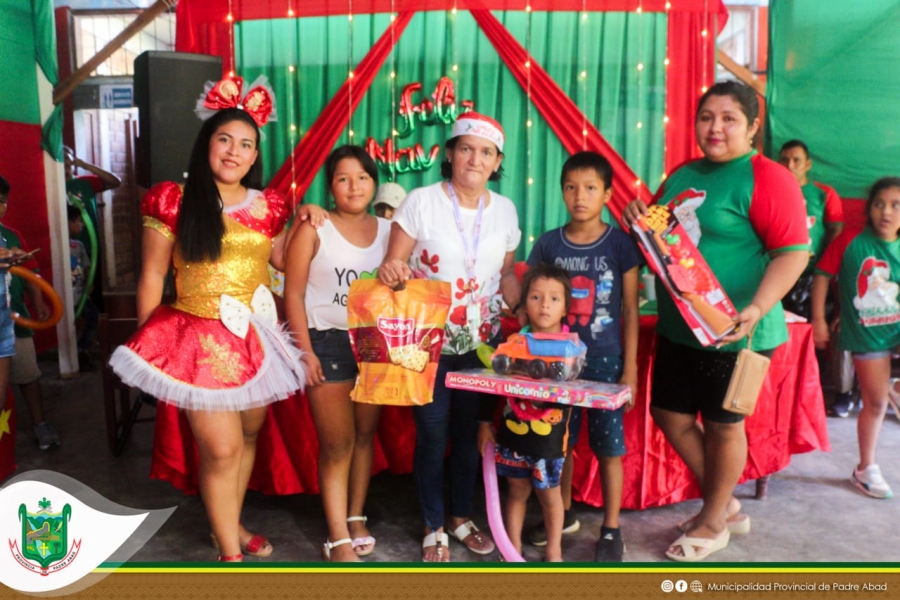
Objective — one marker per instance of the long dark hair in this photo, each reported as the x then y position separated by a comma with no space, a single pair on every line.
200,224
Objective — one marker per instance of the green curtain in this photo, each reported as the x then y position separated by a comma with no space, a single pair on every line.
615,95
833,83
19,93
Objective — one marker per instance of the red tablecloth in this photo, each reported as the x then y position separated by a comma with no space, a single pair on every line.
789,419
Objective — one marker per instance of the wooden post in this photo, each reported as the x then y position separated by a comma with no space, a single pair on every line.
741,72
145,18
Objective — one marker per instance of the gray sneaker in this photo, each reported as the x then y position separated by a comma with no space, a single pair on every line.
46,435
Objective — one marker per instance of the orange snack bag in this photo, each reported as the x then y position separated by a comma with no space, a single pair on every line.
397,338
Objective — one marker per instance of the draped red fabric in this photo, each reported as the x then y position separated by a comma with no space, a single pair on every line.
205,11
313,149
687,73
560,112
789,419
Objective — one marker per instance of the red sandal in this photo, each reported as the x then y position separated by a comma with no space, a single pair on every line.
232,558
258,546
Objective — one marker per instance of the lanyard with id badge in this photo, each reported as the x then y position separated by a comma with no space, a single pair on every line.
470,248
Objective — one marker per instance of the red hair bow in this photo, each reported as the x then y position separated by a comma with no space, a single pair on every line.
259,102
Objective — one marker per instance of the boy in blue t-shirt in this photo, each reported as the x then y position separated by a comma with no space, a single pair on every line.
603,263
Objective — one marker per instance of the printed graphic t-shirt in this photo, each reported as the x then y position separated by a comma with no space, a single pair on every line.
596,269
823,208
427,216
736,213
868,272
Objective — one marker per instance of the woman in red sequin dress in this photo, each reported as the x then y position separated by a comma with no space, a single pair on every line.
217,353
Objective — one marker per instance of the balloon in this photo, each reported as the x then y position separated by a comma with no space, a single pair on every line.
484,353
492,499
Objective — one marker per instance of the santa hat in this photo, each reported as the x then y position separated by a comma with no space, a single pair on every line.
472,123
868,268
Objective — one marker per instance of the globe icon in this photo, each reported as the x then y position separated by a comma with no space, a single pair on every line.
696,586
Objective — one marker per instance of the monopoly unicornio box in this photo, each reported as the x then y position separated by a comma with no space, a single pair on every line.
577,392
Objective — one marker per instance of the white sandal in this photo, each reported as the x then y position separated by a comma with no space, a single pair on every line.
328,546
439,541
366,540
465,530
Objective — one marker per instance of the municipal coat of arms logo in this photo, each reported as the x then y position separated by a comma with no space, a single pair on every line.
45,544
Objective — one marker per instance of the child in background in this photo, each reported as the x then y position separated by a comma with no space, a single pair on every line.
81,265
603,263
867,265
531,449
388,198
321,265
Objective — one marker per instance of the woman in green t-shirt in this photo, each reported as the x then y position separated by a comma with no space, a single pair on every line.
745,213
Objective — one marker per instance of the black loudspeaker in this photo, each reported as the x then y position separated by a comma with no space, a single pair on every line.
166,88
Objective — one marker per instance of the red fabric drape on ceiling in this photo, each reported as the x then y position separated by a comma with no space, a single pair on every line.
207,11
313,149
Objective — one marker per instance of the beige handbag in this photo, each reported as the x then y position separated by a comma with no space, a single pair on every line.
746,381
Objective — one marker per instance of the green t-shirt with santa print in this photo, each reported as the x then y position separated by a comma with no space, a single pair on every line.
823,208
737,213
868,272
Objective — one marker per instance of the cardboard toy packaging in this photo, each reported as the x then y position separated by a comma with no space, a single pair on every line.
675,259
589,394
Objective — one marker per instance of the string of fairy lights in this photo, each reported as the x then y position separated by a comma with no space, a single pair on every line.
583,64
350,71
393,78
293,77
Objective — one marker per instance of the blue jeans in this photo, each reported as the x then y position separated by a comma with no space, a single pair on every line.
451,417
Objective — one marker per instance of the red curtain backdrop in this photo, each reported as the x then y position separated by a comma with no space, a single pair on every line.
202,27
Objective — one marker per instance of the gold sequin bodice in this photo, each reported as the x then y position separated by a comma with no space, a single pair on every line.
241,268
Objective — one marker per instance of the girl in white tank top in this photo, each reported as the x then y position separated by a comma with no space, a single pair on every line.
321,265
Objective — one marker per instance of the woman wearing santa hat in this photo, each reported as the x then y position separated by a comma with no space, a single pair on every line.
460,232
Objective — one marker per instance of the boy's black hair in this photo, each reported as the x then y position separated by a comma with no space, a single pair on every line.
73,213
877,187
447,168
587,160
795,144
547,271
4,186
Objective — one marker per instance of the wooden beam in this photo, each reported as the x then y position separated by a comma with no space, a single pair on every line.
741,72
145,18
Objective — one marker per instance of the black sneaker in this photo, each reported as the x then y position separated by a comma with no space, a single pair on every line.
536,535
843,404
610,547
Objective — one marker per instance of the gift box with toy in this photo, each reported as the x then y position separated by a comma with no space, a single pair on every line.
690,282
575,392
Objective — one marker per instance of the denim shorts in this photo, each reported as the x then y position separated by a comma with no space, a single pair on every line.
871,355
605,427
7,333
543,472
332,347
